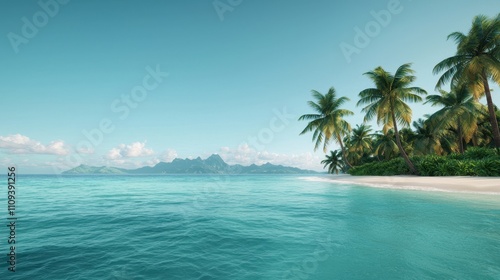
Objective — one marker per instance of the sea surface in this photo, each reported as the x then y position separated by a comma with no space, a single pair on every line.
245,227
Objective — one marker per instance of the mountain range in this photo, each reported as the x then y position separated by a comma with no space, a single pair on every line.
211,165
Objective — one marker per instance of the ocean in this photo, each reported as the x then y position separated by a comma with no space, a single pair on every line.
245,227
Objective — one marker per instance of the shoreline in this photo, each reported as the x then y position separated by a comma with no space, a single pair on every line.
456,184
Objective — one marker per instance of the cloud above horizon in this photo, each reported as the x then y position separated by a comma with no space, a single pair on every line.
245,155
137,154
166,156
134,150
20,144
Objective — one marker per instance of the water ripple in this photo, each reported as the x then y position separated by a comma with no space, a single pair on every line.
248,227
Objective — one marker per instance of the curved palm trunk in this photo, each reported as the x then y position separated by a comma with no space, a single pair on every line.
343,150
413,170
491,111
460,137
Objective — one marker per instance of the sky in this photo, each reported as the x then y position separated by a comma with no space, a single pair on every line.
133,83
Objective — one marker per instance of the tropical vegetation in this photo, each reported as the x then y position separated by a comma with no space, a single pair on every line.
461,138
328,122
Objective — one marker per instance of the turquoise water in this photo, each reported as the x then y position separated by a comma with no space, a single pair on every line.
247,227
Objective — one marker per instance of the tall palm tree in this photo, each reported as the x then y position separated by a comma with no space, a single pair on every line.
387,100
328,122
333,162
477,61
460,112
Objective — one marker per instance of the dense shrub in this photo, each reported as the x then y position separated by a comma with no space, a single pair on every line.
476,153
488,167
456,156
453,167
474,162
395,166
429,165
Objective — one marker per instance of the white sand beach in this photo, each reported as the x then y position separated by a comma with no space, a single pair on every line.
479,185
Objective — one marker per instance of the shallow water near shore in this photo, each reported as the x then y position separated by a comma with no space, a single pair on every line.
247,227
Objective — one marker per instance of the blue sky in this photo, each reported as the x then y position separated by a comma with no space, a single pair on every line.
227,77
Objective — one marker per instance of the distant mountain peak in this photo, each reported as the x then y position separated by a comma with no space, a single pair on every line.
215,159
214,156
214,164
87,169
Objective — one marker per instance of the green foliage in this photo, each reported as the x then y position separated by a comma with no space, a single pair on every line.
456,156
453,141
333,162
327,122
476,153
475,62
474,162
395,166
430,165
453,167
488,167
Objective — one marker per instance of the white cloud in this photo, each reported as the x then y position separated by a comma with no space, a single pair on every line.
168,155
20,144
128,163
114,154
245,155
135,155
134,150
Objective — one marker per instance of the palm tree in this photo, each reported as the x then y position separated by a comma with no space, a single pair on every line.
425,141
483,136
387,101
385,145
477,60
360,142
361,138
407,137
328,123
333,161
460,113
